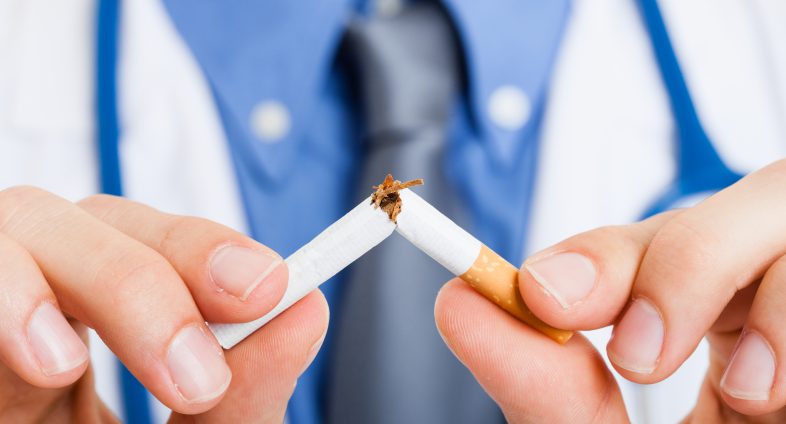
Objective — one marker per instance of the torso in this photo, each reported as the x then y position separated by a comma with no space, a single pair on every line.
606,146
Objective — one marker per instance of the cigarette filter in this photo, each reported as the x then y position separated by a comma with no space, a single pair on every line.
468,258
334,249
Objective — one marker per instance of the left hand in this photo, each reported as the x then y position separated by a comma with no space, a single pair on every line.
716,270
146,281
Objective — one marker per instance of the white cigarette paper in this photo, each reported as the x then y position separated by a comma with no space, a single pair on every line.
467,258
334,249
435,234
367,225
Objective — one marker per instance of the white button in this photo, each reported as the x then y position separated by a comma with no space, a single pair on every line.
270,121
388,8
509,107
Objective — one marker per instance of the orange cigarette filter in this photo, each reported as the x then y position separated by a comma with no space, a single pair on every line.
497,280
458,251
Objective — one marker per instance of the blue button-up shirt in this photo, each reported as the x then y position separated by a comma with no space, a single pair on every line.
285,51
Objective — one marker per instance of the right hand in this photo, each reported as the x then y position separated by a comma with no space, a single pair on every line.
146,281
714,271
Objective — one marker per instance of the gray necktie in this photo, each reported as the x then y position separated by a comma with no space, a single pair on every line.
388,363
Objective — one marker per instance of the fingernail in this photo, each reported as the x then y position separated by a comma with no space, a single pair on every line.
751,371
239,270
54,342
568,277
638,338
196,364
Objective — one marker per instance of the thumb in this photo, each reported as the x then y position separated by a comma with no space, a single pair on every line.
532,378
266,365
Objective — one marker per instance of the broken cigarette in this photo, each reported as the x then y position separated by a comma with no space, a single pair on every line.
394,207
332,250
467,258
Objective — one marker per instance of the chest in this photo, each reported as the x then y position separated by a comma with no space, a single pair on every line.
606,147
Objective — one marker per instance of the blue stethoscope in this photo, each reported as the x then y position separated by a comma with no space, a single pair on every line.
136,408
699,167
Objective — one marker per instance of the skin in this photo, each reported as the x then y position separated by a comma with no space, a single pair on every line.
714,271
105,259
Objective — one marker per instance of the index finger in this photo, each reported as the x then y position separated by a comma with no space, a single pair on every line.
231,277
693,267
131,295
584,282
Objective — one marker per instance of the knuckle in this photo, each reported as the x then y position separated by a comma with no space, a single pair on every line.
180,229
615,238
778,168
19,195
681,245
174,230
611,234
103,206
133,276
18,198
773,174
608,232
21,192
98,202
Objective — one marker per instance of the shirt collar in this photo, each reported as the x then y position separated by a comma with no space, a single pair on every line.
509,49
257,52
